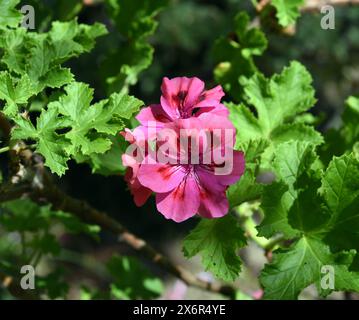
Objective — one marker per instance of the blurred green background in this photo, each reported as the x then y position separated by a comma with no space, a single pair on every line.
183,46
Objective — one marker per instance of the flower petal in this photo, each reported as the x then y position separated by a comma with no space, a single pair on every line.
220,110
139,192
160,177
153,113
210,98
141,195
213,198
182,202
213,205
179,96
232,167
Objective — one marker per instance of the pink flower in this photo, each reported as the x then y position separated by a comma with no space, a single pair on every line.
139,192
183,190
187,178
183,98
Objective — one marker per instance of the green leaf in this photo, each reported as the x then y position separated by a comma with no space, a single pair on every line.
276,202
53,285
287,11
276,100
321,212
15,48
350,121
102,117
296,131
40,55
48,143
14,92
110,163
123,105
71,39
308,212
75,225
340,189
234,57
344,139
135,20
46,244
217,240
9,15
132,280
247,189
294,269
71,126
292,160
22,215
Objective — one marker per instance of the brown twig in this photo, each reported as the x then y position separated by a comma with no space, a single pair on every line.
61,201
10,191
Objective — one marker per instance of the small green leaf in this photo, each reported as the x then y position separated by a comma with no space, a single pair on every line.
247,189
292,160
131,280
287,11
53,285
9,15
14,92
217,240
234,57
22,215
46,244
50,144
340,189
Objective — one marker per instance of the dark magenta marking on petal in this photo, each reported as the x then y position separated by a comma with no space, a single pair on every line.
178,193
165,172
202,97
182,95
179,98
204,193
194,111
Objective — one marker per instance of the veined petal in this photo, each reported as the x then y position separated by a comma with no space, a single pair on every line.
213,205
213,200
220,110
210,98
140,193
154,113
179,95
231,167
160,177
182,202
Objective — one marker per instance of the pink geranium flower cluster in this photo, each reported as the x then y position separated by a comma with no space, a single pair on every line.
183,151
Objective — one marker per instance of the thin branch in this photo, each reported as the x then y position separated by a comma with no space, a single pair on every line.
10,191
61,201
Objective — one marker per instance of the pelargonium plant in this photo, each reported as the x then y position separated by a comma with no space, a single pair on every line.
265,188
